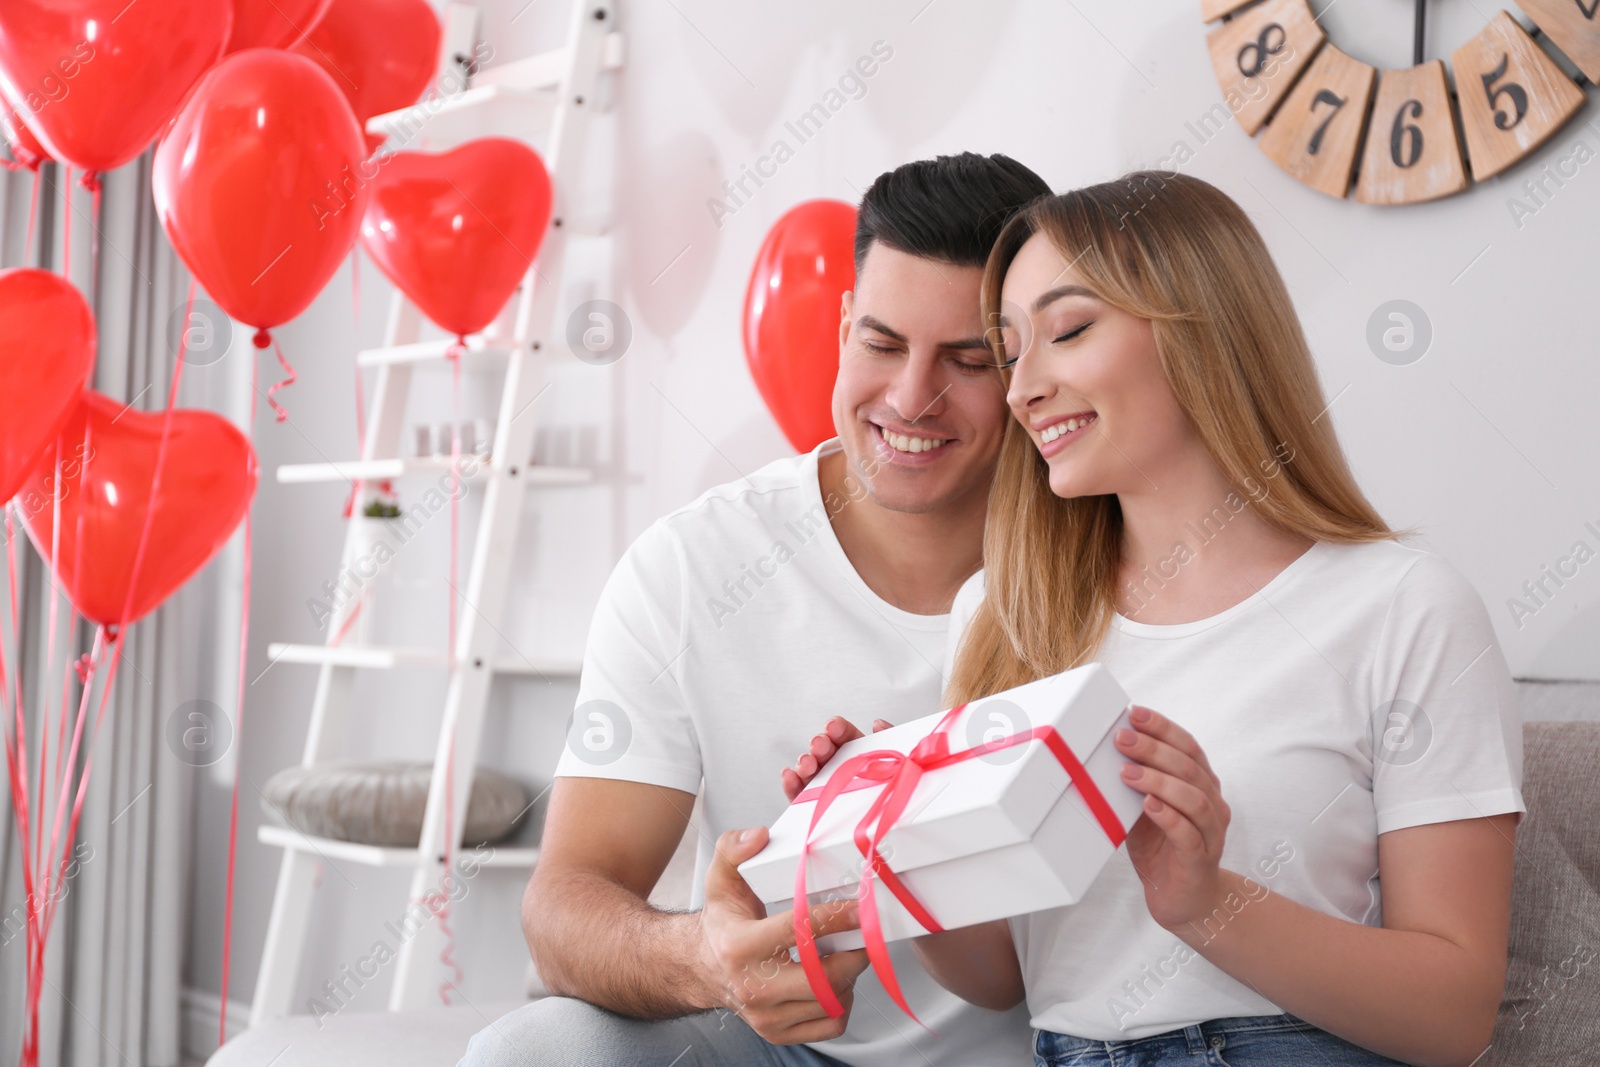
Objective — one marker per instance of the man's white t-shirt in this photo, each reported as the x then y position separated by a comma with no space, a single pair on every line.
727,635
1353,650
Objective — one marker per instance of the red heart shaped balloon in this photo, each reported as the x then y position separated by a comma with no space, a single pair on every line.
457,231
381,53
273,23
791,316
259,183
108,461
47,344
97,79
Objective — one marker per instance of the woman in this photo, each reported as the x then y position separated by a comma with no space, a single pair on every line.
1323,870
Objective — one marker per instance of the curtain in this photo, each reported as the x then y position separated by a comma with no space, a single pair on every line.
116,952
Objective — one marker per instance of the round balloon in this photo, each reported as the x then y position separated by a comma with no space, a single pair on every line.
791,316
273,23
381,53
261,182
457,231
47,344
108,462
96,80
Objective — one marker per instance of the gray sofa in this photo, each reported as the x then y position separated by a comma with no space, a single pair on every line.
1550,1016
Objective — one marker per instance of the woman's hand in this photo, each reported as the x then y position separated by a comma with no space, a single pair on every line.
836,732
1177,845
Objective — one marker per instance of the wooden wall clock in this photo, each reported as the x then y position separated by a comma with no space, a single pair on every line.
1399,136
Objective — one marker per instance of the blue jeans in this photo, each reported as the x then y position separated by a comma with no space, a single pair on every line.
562,1032
1244,1041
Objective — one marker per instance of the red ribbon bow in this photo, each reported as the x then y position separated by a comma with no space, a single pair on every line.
899,774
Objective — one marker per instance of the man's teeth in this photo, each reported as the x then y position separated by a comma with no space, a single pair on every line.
902,443
1052,432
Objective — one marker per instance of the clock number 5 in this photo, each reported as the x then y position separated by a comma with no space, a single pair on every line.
1263,48
1324,96
1405,135
1516,94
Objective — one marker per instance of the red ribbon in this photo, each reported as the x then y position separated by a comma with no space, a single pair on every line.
899,774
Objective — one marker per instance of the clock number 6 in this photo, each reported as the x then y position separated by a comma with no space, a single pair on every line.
1263,48
1324,96
1406,134
1516,93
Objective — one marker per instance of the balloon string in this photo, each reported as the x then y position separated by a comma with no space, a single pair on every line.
361,402
102,638
91,182
233,811
62,781
16,740
66,226
447,955
33,214
278,411
65,788
454,355
50,645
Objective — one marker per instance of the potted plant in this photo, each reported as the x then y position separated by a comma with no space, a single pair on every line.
372,545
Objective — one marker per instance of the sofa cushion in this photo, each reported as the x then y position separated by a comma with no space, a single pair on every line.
1552,995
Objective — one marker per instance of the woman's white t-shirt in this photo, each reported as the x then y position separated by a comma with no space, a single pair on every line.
1362,690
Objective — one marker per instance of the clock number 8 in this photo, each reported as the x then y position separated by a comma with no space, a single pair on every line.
1517,94
1398,135
1263,48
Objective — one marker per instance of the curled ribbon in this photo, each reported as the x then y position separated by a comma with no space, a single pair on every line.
898,773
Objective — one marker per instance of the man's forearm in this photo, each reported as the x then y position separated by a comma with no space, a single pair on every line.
596,940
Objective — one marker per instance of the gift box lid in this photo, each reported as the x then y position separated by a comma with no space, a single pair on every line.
985,802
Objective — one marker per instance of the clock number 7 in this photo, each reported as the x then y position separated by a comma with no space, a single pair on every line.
1324,96
1517,94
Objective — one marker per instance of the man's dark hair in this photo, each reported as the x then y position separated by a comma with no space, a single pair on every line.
949,208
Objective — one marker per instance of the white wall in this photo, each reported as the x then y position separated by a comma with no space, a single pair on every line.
1487,442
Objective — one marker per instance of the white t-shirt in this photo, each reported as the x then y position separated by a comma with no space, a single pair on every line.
727,635
1289,693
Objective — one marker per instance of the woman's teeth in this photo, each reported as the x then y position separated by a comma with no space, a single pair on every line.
902,443
1050,433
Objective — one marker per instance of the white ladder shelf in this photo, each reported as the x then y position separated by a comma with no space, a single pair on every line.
554,92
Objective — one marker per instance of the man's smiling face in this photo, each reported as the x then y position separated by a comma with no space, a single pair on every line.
919,402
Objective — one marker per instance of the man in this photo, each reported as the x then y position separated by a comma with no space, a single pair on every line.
728,634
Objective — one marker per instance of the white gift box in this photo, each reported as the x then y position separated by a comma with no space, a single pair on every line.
1003,833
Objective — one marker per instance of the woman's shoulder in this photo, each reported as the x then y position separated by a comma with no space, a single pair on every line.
1397,566
1411,586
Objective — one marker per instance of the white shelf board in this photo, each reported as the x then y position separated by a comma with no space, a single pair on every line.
369,470
426,352
383,657
380,856
516,98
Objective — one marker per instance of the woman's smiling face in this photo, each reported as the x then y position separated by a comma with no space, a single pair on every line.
1087,382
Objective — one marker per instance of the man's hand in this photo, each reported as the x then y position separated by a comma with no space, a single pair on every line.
837,731
744,953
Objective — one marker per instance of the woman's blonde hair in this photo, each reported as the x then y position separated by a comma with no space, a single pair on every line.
1177,251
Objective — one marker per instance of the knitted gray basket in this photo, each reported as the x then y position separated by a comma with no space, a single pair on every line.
382,803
